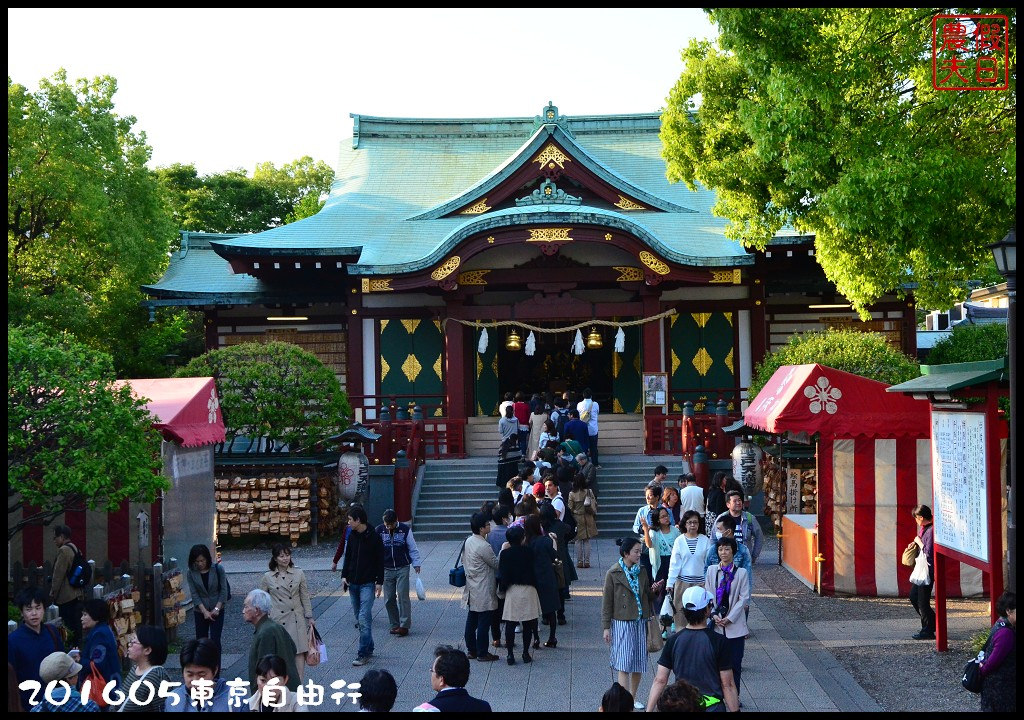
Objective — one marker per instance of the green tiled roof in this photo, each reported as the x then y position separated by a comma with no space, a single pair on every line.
397,170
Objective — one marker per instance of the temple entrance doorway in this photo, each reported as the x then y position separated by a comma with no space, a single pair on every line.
554,368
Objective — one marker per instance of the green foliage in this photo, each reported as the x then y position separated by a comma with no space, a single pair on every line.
970,343
276,391
978,641
864,354
87,222
825,119
232,202
73,438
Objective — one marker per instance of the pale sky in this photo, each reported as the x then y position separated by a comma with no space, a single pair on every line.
227,89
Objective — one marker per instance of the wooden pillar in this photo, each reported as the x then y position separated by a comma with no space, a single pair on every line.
908,336
758,323
457,379
354,359
210,330
651,333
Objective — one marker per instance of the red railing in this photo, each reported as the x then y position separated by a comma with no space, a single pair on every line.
663,435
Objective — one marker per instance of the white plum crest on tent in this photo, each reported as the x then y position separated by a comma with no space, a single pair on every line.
823,397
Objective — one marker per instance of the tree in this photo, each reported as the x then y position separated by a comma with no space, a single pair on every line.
970,343
232,202
827,120
74,440
87,223
275,392
866,354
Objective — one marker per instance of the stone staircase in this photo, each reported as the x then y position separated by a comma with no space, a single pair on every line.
620,435
452,490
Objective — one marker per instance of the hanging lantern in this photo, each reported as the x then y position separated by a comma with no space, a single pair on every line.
513,341
594,341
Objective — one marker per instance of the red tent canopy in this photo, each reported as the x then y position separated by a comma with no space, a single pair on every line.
817,399
187,410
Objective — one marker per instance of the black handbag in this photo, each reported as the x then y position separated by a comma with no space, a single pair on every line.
457,575
972,676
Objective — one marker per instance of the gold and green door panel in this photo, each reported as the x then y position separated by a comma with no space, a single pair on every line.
412,362
487,393
702,356
627,396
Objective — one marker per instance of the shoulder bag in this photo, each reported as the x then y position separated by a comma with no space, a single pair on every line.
457,575
910,554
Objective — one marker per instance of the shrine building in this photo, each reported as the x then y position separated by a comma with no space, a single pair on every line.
436,229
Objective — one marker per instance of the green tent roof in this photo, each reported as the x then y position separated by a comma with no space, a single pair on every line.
944,379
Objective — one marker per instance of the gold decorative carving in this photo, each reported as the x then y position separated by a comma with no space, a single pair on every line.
384,367
372,285
437,368
411,368
494,365
479,366
383,324
608,237
627,204
447,268
480,207
672,320
551,154
490,241
438,413
617,406
676,362
549,235
437,324
654,263
726,276
473,277
637,364
702,361
701,318
639,406
616,365
629,274
728,361
410,325
728,316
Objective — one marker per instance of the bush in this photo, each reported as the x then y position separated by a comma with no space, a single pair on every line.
970,343
275,391
865,354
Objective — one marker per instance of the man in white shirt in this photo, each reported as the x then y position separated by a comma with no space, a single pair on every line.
691,496
589,409
551,490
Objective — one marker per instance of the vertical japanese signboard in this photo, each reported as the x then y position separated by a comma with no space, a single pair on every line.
960,482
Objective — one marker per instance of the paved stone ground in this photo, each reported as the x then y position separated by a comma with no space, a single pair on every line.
805,653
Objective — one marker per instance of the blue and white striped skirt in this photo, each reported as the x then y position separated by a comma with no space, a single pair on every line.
629,646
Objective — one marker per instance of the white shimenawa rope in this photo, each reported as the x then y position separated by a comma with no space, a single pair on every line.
568,328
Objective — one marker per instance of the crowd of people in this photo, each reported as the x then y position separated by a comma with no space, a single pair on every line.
680,588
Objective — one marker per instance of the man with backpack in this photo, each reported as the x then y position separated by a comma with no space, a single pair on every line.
65,590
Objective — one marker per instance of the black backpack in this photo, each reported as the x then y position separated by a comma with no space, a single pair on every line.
80,572
560,423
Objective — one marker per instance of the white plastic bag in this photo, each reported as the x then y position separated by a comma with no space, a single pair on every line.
922,573
421,593
666,607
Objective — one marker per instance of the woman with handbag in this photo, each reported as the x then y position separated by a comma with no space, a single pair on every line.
518,584
100,661
544,558
509,454
209,587
583,505
730,586
660,541
625,611
290,605
922,578
686,566
999,668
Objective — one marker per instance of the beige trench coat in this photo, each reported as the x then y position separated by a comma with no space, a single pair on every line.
480,592
586,515
290,606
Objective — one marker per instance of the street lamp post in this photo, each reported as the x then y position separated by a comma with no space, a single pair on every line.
1005,253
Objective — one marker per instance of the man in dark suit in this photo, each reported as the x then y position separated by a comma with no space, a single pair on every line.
449,674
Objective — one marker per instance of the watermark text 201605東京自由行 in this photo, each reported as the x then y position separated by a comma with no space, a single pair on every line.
201,692
970,52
